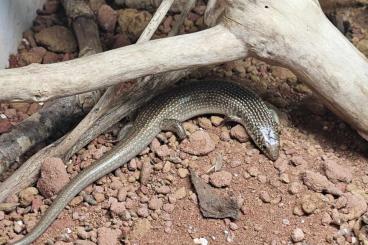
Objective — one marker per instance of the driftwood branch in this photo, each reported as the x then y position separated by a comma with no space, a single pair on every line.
43,82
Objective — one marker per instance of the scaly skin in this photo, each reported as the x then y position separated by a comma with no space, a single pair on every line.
180,104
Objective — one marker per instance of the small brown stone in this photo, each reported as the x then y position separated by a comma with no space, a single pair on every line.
238,132
221,179
107,18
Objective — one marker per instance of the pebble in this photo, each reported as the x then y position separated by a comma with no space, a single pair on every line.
281,165
34,55
26,196
297,210
168,207
262,178
199,143
298,160
221,179
233,226
117,207
145,172
253,171
76,201
238,132
57,39
204,122
143,212
155,203
295,188
326,219
133,22
132,165
53,177
82,233
167,167
108,236
180,193
320,183
125,215
308,206
140,229
265,196
163,189
183,172
297,235
284,177
216,120
164,151
107,18
336,172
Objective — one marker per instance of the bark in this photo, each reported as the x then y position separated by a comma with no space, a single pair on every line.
55,118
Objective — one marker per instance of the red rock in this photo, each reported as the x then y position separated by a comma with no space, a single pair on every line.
282,73
36,204
168,207
199,143
320,183
57,39
143,212
298,160
108,236
221,179
336,172
356,206
281,165
33,108
51,6
34,55
27,195
145,172
50,58
163,189
133,22
20,106
238,132
117,207
5,126
121,40
107,18
164,151
155,203
53,177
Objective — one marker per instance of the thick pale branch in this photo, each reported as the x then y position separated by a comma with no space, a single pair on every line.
43,82
286,32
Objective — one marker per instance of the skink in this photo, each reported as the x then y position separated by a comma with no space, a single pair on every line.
166,112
